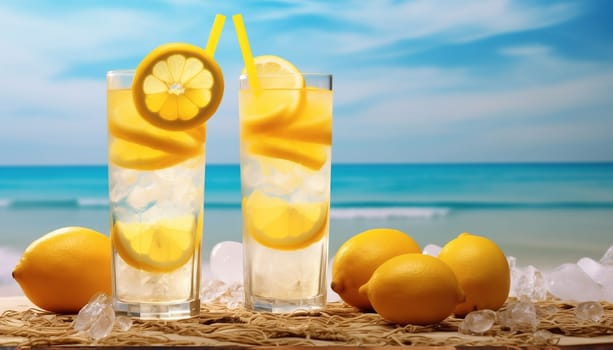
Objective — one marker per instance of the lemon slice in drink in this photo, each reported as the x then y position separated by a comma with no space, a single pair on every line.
284,97
160,246
136,156
279,224
126,123
177,86
311,155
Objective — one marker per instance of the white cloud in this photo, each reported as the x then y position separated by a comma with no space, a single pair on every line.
377,24
54,118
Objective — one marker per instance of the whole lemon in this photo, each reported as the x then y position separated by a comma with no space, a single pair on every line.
413,289
359,256
63,269
482,270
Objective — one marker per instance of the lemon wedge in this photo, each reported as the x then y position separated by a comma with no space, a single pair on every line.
312,124
311,155
160,246
279,224
177,86
131,155
283,95
125,122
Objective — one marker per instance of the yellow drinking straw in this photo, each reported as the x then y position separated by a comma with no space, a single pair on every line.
211,44
243,42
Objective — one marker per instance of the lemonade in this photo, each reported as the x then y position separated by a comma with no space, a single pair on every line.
286,134
157,131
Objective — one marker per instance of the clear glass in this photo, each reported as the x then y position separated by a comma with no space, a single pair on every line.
286,137
156,192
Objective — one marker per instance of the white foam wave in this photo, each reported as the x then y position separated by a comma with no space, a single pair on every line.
4,203
93,202
386,213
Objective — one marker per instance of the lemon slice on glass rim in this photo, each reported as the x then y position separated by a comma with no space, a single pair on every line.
287,99
177,86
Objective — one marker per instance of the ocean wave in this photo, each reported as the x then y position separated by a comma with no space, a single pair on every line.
386,213
359,207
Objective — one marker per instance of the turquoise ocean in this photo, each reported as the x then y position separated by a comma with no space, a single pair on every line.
543,214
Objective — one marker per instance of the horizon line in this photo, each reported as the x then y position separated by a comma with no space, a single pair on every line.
494,162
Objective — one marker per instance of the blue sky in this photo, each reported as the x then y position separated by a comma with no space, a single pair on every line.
415,81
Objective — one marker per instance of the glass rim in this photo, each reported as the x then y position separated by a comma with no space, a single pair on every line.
306,74
119,72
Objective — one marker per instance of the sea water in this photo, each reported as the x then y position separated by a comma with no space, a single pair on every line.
543,214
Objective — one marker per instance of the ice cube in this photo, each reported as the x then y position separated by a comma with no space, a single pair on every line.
227,262
88,313
600,273
570,282
589,311
607,258
519,316
233,297
432,250
607,291
97,317
543,337
478,322
103,324
211,290
512,262
143,197
528,282
547,310
124,323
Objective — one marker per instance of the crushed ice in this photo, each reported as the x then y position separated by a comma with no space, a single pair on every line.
591,280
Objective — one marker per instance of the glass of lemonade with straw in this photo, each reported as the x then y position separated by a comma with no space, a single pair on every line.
285,149
157,130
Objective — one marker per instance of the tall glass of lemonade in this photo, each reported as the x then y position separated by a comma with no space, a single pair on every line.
157,132
286,135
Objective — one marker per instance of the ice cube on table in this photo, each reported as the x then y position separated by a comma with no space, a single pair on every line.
96,318
589,311
88,313
519,316
543,336
226,262
103,324
478,322
123,323
607,258
570,282
512,262
212,289
432,250
600,273
528,282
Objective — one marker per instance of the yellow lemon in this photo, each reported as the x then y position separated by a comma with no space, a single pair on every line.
177,86
161,246
359,256
62,270
413,289
277,223
482,270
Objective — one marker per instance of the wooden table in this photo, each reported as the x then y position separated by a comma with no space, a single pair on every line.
20,303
